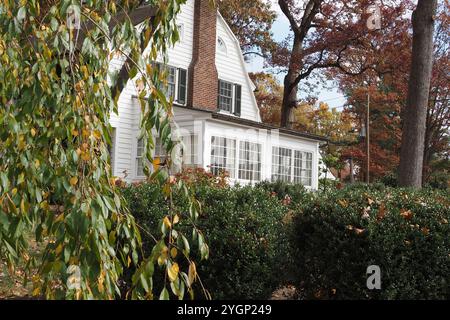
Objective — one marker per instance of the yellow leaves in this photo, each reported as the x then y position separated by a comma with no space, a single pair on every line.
14,192
47,52
163,256
75,133
79,86
156,163
22,143
176,219
59,218
73,181
78,102
343,203
97,134
59,249
85,156
36,291
85,72
192,273
100,281
85,133
167,222
173,252
173,271
44,205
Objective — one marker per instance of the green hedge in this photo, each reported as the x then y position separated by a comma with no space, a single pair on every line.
340,233
245,228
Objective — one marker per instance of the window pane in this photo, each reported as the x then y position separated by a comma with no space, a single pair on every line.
249,161
303,168
223,155
281,164
225,96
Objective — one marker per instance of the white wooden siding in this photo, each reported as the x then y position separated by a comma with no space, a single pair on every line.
231,67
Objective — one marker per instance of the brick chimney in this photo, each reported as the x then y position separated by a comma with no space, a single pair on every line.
203,78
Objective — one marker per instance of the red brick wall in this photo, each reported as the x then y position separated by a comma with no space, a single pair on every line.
203,79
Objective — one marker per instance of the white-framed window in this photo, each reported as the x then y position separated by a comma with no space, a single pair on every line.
303,168
159,156
281,164
229,97
221,46
171,82
223,156
249,161
190,156
176,87
225,96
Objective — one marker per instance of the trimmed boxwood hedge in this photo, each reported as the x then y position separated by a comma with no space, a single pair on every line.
263,236
245,228
405,232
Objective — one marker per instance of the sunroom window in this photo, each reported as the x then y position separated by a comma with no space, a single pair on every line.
223,156
249,161
281,164
303,168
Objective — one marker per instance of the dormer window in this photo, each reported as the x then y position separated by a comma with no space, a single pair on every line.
229,97
221,47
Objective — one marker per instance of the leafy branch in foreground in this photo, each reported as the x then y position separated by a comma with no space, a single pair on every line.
57,94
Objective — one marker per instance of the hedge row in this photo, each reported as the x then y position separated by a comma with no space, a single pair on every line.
245,229
263,236
406,233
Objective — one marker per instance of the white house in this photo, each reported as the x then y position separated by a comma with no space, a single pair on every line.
215,111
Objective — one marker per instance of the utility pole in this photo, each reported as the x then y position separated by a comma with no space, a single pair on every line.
368,139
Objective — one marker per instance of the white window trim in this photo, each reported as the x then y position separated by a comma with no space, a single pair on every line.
261,171
177,82
233,98
292,175
235,152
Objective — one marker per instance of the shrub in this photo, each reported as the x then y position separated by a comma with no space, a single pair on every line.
246,229
342,232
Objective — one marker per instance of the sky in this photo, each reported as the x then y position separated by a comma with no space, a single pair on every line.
281,30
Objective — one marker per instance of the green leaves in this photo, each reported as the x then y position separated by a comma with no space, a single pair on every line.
54,175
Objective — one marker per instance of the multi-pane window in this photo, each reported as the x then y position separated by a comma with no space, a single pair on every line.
223,154
225,96
171,82
190,157
249,161
303,168
176,87
281,164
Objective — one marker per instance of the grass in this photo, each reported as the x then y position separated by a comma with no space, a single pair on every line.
12,281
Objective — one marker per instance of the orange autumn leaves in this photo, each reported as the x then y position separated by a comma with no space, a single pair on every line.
406,214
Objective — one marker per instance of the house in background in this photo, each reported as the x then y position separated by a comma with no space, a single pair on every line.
215,111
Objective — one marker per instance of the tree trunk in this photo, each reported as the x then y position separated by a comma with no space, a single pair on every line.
414,115
290,97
